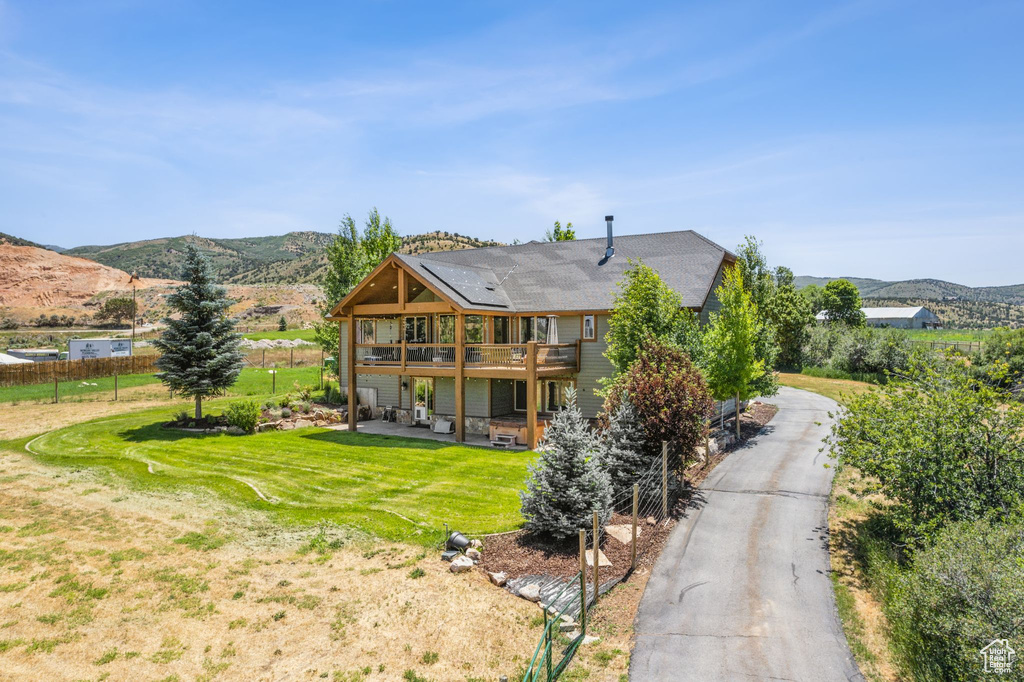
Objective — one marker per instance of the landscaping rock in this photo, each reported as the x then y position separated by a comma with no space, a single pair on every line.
623,532
651,521
590,639
267,426
475,544
499,578
568,626
236,431
530,592
474,554
321,422
602,560
302,423
285,426
461,564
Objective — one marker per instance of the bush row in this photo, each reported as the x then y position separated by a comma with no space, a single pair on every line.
858,350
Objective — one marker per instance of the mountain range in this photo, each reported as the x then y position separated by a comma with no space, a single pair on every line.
296,257
923,289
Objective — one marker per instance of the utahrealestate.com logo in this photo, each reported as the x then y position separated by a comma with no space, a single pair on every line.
998,656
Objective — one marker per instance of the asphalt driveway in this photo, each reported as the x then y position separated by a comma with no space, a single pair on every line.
742,590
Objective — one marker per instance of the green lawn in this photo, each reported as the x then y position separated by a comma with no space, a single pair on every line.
252,381
396,488
291,334
949,335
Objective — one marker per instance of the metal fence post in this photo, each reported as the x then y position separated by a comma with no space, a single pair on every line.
594,557
636,499
583,581
664,478
115,386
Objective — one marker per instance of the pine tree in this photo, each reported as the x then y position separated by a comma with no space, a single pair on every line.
200,354
566,485
622,450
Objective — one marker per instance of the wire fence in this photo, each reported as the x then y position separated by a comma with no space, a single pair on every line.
631,534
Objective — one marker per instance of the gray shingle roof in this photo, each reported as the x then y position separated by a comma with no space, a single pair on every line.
557,276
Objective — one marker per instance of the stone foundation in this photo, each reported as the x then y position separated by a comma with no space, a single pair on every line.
476,425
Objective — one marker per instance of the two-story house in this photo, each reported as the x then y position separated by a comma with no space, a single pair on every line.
490,338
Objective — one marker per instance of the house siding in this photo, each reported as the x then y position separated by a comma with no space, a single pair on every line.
594,366
477,402
713,304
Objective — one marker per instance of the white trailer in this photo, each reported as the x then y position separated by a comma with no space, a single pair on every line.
82,349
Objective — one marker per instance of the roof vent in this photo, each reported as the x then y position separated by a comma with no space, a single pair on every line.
610,250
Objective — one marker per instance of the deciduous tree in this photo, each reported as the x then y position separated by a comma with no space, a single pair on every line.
561,234
732,363
646,308
841,303
669,394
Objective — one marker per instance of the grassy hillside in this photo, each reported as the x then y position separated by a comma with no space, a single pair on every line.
295,257
928,289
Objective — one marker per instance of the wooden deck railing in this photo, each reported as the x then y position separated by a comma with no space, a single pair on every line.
505,356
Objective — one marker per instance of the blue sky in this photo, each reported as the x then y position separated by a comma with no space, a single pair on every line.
881,139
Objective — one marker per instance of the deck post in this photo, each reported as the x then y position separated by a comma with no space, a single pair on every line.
460,380
531,395
350,362
404,351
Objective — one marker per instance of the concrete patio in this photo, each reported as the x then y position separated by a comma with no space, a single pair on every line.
377,427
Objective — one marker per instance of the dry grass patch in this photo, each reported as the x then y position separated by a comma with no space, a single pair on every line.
180,587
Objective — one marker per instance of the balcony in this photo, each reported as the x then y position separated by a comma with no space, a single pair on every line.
497,360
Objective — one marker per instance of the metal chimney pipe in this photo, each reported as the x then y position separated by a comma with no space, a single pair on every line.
610,251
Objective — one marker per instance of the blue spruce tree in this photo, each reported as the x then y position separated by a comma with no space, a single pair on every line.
622,450
200,354
566,485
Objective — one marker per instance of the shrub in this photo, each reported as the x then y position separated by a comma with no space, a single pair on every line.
566,485
245,414
1001,360
670,396
960,594
282,324
852,350
623,455
821,342
943,445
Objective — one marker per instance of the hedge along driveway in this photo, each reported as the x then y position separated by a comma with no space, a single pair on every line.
396,488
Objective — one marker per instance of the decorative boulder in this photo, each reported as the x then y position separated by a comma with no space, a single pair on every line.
475,544
474,554
285,426
499,578
461,564
302,423
651,521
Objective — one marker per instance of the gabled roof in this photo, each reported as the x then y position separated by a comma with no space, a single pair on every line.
566,276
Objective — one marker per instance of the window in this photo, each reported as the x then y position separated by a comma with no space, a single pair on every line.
589,327
526,329
365,331
550,395
542,329
446,329
474,328
533,329
416,329
502,329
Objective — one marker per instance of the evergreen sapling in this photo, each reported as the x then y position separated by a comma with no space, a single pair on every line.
567,484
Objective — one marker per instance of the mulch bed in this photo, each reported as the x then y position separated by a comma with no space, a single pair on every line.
523,553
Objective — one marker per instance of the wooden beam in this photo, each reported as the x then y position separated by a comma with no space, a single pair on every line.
401,289
460,380
353,401
394,309
531,395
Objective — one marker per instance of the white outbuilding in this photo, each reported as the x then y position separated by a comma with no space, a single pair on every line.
917,317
